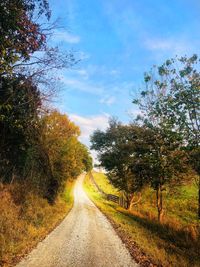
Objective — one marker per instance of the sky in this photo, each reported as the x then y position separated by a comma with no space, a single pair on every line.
116,42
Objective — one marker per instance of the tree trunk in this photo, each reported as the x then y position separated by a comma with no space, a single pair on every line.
127,200
159,202
136,202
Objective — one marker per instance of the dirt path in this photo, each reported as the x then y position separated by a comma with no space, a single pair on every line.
85,238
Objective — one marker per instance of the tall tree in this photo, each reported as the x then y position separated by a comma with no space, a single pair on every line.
170,104
67,156
19,108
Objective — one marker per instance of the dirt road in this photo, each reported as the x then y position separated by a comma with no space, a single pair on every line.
85,238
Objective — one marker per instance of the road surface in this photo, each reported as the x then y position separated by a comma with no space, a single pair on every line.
85,238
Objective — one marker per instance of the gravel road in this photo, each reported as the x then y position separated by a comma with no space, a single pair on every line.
85,238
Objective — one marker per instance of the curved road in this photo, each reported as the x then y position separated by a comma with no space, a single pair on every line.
85,238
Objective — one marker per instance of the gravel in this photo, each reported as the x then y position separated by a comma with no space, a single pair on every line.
85,238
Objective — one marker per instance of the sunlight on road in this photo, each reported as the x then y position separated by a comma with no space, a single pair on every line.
79,194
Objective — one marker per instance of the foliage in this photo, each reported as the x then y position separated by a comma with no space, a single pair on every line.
35,146
170,103
19,107
118,148
39,149
20,36
67,156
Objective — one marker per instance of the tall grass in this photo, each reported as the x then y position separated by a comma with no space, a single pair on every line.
172,243
180,204
26,218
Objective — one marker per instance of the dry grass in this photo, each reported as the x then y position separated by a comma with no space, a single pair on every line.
180,204
104,184
170,244
25,219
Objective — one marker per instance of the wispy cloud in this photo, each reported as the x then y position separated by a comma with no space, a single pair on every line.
65,36
75,84
108,100
88,124
173,46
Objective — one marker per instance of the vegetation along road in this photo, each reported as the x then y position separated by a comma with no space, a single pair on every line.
84,238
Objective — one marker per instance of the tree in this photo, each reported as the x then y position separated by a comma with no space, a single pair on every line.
85,157
58,134
170,106
67,156
19,108
161,162
117,154
20,36
36,147
182,102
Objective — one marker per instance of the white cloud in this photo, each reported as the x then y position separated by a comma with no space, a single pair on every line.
115,72
174,46
88,124
81,86
66,36
108,100
156,44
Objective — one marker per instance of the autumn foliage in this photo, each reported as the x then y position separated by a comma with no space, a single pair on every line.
40,154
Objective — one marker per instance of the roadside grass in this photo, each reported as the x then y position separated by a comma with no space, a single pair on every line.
180,204
24,223
166,244
104,184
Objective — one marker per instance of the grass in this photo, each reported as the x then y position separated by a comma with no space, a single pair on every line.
104,184
180,204
166,245
24,224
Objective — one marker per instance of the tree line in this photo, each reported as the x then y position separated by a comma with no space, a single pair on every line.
161,145
38,145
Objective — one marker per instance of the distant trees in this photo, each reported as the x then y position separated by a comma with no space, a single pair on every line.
163,143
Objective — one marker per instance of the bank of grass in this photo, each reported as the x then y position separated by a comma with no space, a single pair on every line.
165,245
104,184
180,204
23,223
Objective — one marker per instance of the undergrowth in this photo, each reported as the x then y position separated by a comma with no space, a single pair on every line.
25,219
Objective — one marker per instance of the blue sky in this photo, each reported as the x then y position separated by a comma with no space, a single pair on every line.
117,42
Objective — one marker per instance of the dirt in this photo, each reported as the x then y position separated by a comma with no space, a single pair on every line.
85,238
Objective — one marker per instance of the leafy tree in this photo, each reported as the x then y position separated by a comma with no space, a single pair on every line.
170,106
161,161
117,152
41,148
67,156
20,36
19,107
86,159
58,135
182,102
